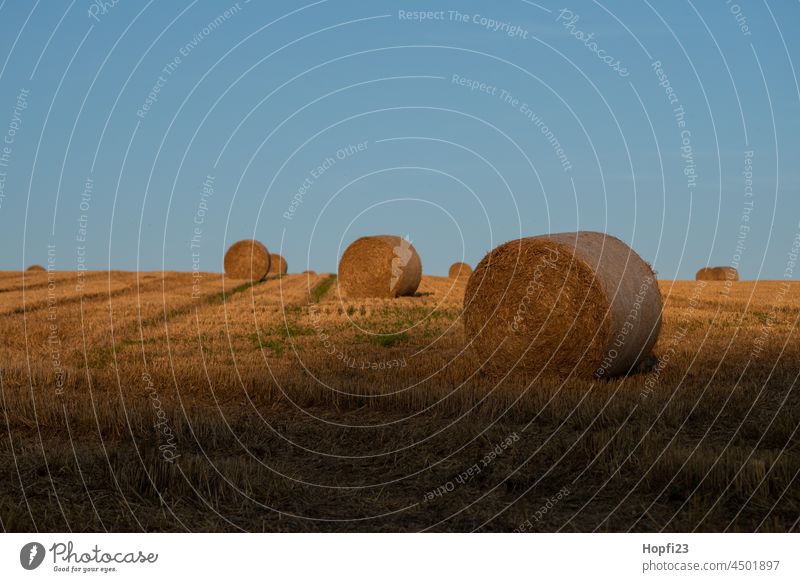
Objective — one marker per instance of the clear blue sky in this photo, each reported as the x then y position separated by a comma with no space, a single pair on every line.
572,129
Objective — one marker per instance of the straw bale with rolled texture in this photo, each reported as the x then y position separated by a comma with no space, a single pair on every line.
247,259
380,266
277,265
583,303
459,270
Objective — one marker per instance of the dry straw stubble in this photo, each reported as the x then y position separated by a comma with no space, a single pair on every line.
247,259
380,266
581,303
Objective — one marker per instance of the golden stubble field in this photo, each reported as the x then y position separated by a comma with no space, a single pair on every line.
151,402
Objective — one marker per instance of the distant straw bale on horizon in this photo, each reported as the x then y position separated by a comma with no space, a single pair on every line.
277,264
459,270
717,274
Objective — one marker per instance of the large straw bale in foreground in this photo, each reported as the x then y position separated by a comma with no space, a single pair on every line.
717,274
380,266
582,302
247,259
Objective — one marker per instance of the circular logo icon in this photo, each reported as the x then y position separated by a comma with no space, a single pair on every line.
31,555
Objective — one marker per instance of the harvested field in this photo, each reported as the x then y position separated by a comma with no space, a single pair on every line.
166,402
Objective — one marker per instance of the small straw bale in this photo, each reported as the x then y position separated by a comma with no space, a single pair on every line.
277,265
35,269
717,274
459,270
380,266
247,259
583,303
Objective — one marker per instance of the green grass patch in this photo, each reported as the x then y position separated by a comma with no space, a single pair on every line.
277,347
101,357
223,296
290,329
293,309
320,290
275,339
413,315
405,317
287,330
761,316
104,356
387,340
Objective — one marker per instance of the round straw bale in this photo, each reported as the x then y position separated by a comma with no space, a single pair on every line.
459,270
717,274
247,259
308,273
380,266
277,265
581,303
35,269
